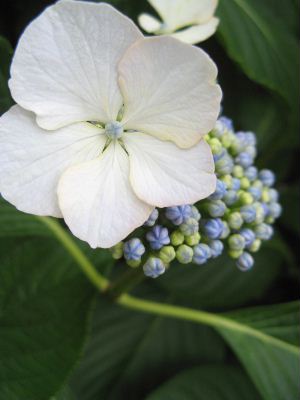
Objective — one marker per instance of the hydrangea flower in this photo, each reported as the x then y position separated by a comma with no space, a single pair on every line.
190,21
108,124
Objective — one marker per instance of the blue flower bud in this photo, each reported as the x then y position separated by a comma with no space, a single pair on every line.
152,218
248,213
275,210
179,214
189,227
226,230
236,184
184,254
255,192
224,165
274,195
236,242
154,267
158,237
227,123
251,150
219,192
133,249
248,235
245,261
265,208
263,231
220,155
230,197
216,208
202,253
195,213
216,248
246,139
267,177
244,159
213,228
260,213
251,173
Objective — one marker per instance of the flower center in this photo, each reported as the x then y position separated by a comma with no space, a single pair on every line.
114,130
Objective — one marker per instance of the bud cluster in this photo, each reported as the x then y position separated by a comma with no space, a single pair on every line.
236,218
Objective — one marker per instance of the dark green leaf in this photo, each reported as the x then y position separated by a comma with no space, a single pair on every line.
132,353
259,43
5,57
44,307
209,382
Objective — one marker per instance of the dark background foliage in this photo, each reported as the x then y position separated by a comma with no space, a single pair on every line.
128,355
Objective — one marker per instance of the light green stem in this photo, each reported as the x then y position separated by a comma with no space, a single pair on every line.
220,322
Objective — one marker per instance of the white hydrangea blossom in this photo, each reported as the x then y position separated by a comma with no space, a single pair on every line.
190,21
108,124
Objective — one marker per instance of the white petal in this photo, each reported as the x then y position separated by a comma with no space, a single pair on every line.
179,13
64,68
97,201
197,33
169,90
164,175
149,23
32,159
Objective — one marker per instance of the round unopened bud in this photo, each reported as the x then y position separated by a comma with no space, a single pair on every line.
235,253
117,251
202,253
133,263
184,254
236,242
245,183
235,220
167,254
238,171
245,198
193,239
177,238
189,227
215,145
255,246
216,208
154,267
245,262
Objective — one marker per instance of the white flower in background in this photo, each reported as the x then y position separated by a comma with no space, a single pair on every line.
190,21
108,124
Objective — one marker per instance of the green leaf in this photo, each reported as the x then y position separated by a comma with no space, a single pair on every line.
259,43
5,57
271,355
131,353
210,382
44,310
219,284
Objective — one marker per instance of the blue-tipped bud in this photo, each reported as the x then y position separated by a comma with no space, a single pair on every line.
236,184
202,253
154,267
263,231
251,173
195,213
275,210
216,248
213,228
227,123
235,220
236,242
184,254
179,214
219,192
248,213
244,159
230,197
267,177
255,192
248,235
133,249
158,237
189,227
246,139
152,218
224,165
274,195
245,261
216,208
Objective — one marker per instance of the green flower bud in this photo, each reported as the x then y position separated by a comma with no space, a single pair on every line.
270,220
255,246
257,184
192,240
245,198
235,220
184,254
133,263
235,253
260,214
236,242
226,230
245,183
189,227
227,139
167,254
238,171
265,195
117,251
215,145
177,238
227,179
